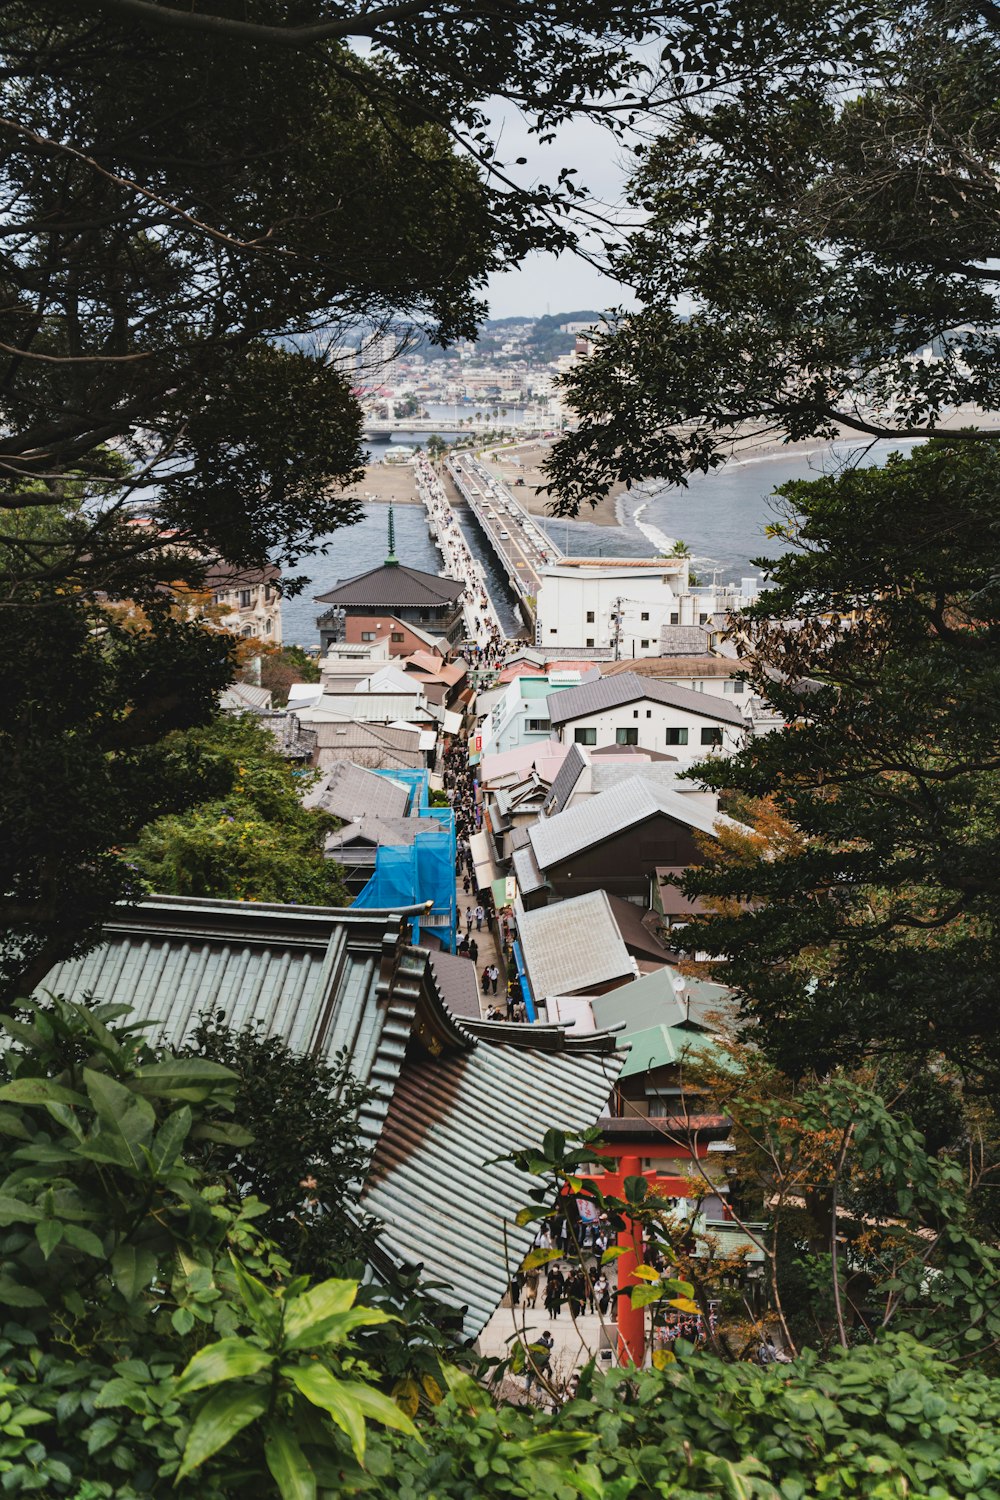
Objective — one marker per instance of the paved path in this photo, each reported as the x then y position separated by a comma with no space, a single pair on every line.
481,619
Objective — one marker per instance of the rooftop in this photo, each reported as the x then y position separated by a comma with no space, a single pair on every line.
349,791
572,946
389,587
611,812
628,687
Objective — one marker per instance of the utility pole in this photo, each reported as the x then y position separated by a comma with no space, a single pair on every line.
616,616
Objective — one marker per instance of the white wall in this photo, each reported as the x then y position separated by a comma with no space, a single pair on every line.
652,720
567,595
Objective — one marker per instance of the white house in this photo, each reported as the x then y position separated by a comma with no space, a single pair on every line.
519,714
627,709
622,603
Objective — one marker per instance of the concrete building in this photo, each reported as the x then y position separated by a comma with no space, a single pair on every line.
627,709
249,601
519,713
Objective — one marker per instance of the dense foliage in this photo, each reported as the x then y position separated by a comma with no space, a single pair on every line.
256,842
807,230
124,1265
871,925
88,758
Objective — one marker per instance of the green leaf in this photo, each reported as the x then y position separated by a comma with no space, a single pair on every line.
83,1239
13,1294
132,1269
348,1403
229,1359
264,1309
613,1252
530,1215
125,1117
13,1211
540,1258
12,1124
224,1133
642,1296
190,1078
645,1273
556,1444
39,1091
220,1418
170,1138
326,1391
49,1234
326,1312
288,1465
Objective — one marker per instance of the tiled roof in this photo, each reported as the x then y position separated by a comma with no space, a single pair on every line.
436,1185
399,587
572,946
458,983
638,938
683,640
627,687
674,666
245,697
564,785
446,1104
377,744
601,817
529,877
349,791
391,832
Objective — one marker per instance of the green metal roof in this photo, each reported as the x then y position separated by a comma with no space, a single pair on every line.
448,1100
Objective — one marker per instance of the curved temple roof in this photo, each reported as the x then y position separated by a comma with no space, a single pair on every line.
449,1097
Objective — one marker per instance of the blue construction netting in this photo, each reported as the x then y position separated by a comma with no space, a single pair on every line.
408,874
419,785
531,1009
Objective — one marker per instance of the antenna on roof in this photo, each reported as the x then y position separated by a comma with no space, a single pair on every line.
392,561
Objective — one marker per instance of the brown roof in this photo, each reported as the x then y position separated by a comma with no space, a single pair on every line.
675,666
458,983
374,745
636,936
395,587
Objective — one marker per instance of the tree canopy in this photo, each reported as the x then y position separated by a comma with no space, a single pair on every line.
871,925
807,232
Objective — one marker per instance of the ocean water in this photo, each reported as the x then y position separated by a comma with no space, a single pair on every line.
355,549
721,516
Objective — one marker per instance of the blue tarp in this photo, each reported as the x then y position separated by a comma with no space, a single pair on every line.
522,974
408,874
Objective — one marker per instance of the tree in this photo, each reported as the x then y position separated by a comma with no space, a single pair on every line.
279,669
306,1160
871,928
255,842
132,1284
89,709
202,207
807,234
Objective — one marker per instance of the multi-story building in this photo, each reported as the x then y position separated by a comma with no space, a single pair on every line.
249,599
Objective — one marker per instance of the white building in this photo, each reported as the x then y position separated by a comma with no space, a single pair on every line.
622,603
653,715
249,601
518,714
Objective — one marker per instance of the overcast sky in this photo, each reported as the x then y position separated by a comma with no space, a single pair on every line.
564,283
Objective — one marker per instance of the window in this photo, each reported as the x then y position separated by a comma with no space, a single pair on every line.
643,643
675,619
711,736
244,598
677,736
703,619
590,617
397,635
590,640
585,736
635,713
649,713
540,726
247,630
268,591
628,736
268,626
740,686
368,635
644,615
425,615
553,631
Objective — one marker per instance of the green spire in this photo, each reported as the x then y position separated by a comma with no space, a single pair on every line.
392,561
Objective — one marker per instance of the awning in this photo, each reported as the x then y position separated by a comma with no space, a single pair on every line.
452,723
482,858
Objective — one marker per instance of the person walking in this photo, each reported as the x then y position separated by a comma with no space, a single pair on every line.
468,919
480,914
531,1288
494,977
554,1286
474,951
602,1293
485,981
539,1353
